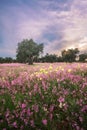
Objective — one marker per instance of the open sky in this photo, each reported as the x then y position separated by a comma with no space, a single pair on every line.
59,24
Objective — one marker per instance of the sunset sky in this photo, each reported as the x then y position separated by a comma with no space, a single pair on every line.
59,24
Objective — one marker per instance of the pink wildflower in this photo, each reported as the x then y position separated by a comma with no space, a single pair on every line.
32,123
44,121
23,105
4,128
51,108
51,116
61,99
15,124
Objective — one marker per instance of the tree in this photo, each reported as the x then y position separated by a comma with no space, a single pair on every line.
1,60
8,60
27,50
70,55
59,59
82,57
49,58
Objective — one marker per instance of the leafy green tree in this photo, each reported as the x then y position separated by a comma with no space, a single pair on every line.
8,60
83,57
49,58
27,50
70,55
59,59
1,60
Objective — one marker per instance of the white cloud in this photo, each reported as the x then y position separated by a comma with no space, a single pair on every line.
22,21
20,26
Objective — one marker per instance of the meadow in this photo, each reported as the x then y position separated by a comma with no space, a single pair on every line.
43,96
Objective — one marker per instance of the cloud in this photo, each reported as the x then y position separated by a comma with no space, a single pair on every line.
58,24
18,24
73,24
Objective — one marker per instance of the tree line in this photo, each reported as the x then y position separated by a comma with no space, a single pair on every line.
29,51
7,60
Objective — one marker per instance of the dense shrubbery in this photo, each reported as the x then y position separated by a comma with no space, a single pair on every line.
7,60
43,97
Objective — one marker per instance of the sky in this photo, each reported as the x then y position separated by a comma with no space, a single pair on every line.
58,24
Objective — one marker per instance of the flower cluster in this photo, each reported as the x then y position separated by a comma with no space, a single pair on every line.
43,96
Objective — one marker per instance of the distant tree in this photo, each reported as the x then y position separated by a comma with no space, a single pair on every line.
49,58
59,59
8,60
1,60
83,57
70,55
27,51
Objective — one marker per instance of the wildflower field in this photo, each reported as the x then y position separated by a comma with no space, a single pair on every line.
43,96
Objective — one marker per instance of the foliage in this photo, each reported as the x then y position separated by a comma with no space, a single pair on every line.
82,57
69,55
27,50
49,58
7,60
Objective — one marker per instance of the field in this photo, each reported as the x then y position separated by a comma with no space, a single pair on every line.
43,96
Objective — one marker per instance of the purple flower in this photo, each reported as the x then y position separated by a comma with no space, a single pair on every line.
61,99
4,128
44,121
84,108
51,116
51,108
15,124
35,108
32,123
23,105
